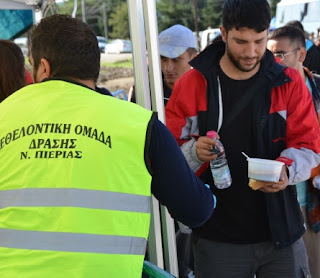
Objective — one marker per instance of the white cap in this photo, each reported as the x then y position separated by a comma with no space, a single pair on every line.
176,40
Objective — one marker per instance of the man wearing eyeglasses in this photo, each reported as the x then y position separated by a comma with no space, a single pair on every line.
288,46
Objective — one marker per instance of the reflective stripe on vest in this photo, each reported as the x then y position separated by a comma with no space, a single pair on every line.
72,242
61,197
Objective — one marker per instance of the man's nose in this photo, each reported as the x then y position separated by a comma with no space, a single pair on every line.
250,50
169,65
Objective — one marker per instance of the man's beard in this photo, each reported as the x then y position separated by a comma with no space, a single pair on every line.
237,64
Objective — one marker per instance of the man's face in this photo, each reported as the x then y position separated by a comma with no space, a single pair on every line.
244,47
290,51
174,68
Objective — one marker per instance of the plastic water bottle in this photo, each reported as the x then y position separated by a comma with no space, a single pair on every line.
219,167
316,182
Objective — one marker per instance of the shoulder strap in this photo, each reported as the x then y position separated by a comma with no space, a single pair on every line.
262,83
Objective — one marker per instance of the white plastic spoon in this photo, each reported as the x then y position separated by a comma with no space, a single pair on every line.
245,155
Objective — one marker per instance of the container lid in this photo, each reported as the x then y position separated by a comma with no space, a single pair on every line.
265,161
211,134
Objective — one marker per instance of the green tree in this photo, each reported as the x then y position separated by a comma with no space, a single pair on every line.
119,22
210,14
273,7
93,12
174,12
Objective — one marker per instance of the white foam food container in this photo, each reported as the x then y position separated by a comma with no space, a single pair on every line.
264,169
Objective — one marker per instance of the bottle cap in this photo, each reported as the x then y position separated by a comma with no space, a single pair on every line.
211,134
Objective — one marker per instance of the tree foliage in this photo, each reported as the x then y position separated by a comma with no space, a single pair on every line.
169,12
94,14
119,22
174,12
273,7
210,14
182,12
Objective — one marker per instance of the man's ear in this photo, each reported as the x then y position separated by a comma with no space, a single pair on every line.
302,53
223,33
44,69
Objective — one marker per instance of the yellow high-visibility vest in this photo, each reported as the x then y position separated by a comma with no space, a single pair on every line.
74,186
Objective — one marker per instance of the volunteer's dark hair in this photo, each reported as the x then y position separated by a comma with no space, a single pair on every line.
253,14
69,45
12,68
294,34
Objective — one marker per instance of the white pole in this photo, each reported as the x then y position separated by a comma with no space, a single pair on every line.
144,32
83,9
151,25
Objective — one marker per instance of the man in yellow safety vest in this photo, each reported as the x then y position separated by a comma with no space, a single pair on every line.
78,168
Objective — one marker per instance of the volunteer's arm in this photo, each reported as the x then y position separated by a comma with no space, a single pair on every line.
173,182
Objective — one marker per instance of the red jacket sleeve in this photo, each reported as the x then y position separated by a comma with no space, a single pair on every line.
295,102
187,98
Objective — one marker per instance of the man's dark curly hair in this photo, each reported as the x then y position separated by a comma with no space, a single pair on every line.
69,45
253,14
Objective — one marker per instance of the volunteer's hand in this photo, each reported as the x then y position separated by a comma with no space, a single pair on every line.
203,148
270,187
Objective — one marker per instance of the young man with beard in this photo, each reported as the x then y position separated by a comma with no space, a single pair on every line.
261,108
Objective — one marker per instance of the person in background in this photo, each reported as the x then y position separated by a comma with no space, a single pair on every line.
28,78
78,168
311,36
177,47
263,109
288,45
317,43
312,60
12,68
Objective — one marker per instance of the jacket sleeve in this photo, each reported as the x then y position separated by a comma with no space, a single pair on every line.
302,133
174,184
187,99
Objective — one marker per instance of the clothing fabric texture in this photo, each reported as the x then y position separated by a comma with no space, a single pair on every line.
313,194
83,183
175,40
311,207
245,261
166,93
103,91
312,60
70,143
280,124
312,243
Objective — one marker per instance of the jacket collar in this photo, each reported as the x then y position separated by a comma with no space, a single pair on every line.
67,80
